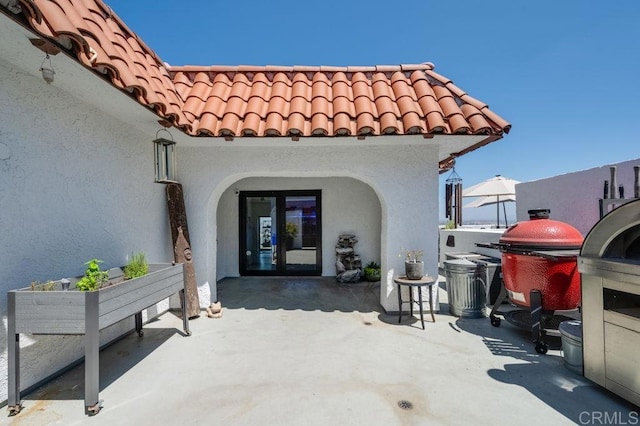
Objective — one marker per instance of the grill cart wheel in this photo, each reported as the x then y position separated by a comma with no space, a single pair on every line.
495,321
541,347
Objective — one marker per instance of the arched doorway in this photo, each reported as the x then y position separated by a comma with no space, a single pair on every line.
280,232
348,205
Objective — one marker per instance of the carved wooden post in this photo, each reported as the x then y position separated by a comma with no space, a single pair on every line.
183,255
182,246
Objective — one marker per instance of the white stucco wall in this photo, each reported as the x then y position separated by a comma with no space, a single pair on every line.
573,197
348,206
404,176
75,184
465,240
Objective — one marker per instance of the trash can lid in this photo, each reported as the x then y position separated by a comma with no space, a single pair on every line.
572,329
459,264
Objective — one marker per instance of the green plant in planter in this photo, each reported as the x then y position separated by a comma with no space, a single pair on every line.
413,264
94,277
137,266
372,272
412,256
47,286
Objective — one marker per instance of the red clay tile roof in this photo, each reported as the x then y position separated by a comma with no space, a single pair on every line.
328,101
262,101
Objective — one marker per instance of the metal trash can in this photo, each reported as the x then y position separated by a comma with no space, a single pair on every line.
571,335
466,288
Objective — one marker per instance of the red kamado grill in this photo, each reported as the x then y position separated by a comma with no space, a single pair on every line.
539,268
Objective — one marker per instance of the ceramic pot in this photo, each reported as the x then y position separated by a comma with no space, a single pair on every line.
414,270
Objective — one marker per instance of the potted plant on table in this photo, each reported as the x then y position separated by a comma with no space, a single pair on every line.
413,264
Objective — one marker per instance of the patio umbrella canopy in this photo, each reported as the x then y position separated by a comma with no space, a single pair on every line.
494,191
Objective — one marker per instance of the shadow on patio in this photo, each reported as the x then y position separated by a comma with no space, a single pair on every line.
291,293
544,376
310,351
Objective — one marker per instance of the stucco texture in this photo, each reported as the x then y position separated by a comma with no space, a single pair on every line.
76,184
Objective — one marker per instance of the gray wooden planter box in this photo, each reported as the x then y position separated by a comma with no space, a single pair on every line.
86,313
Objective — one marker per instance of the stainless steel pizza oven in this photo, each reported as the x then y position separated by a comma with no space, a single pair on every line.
609,264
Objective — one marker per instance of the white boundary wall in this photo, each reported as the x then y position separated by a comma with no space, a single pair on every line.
573,197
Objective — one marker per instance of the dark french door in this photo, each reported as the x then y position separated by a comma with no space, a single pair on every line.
280,233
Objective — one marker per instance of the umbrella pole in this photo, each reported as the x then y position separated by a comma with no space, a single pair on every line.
504,209
498,209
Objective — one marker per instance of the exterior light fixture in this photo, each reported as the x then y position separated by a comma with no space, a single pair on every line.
165,158
47,69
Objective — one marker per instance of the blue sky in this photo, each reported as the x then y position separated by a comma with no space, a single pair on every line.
565,73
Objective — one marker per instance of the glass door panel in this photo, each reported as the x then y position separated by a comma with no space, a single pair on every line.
260,246
301,233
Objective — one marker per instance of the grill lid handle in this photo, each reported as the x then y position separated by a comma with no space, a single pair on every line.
539,213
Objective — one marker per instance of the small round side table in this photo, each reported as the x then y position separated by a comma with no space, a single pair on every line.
425,281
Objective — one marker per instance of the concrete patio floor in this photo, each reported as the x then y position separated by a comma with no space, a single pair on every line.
308,351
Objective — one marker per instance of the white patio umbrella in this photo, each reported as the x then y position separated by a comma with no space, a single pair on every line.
490,199
495,190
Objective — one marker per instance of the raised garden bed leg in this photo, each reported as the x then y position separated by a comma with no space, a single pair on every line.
138,318
92,354
14,405
183,306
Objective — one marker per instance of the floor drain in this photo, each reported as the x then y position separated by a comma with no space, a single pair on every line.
405,405
366,323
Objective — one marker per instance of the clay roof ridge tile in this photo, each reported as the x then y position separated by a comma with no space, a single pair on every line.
332,69
442,79
277,68
250,68
361,69
387,68
473,101
416,67
495,118
305,69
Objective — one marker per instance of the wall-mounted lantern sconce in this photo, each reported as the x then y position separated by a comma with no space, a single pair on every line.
49,49
165,158
47,69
